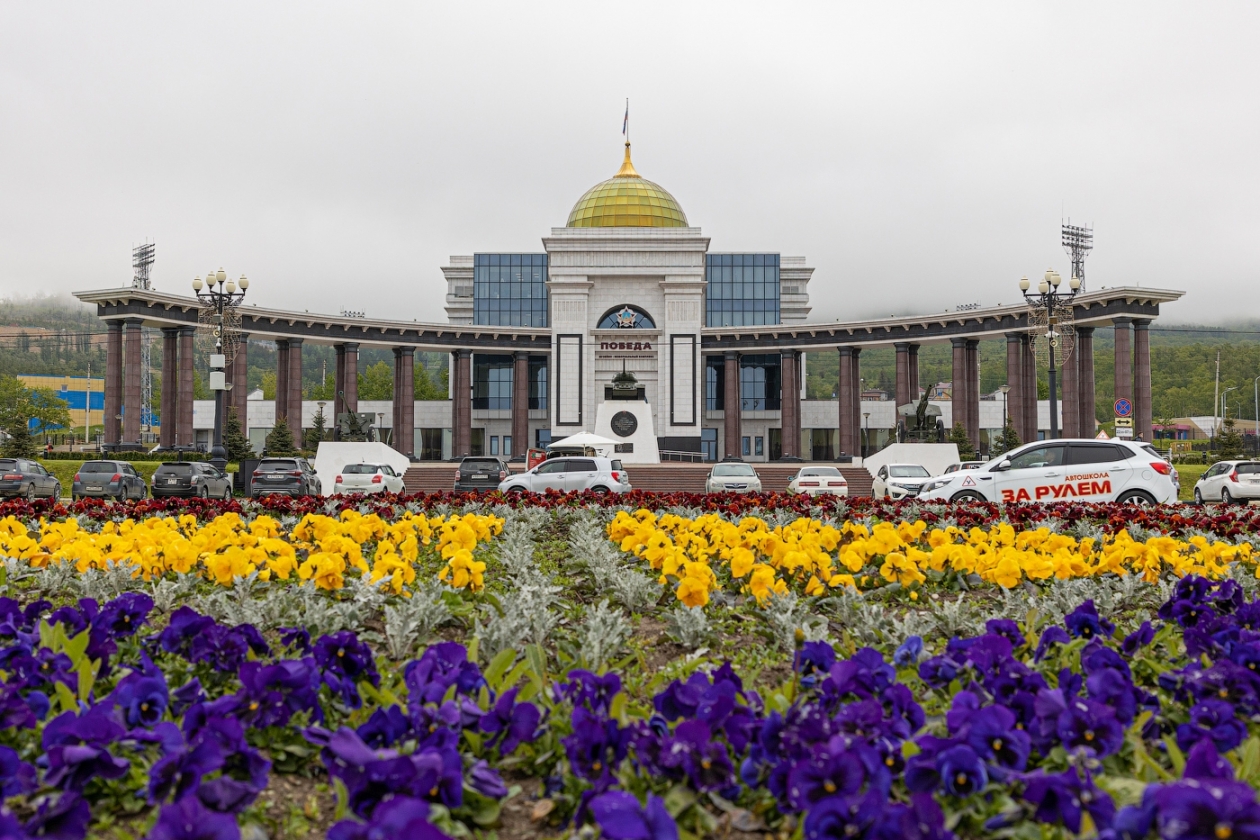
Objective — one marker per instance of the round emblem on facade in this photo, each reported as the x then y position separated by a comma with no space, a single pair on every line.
624,424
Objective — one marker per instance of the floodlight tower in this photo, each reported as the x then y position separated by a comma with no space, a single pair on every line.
142,256
1078,241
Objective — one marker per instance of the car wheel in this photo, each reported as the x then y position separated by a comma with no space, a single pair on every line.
203,492
227,493
515,491
56,493
30,492
1135,497
600,491
967,496
1226,498
1198,497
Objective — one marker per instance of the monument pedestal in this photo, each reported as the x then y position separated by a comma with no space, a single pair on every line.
629,423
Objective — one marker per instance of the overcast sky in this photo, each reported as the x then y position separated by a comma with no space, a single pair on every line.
919,155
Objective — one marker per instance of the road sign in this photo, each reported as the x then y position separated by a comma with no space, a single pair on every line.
1124,408
1125,432
1124,422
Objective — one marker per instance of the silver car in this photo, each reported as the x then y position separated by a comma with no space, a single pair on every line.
570,474
1229,481
732,478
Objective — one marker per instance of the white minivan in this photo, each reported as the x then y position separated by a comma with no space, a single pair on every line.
1082,470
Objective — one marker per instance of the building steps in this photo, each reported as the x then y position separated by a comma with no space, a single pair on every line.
657,478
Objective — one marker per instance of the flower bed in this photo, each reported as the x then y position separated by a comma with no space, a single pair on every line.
175,673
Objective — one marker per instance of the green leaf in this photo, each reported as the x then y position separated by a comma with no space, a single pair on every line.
45,635
498,667
679,799
514,677
69,703
343,799
1175,755
537,662
87,677
1250,759
76,647
617,708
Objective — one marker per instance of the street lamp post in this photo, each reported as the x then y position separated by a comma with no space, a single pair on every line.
220,295
866,432
1255,387
1005,389
1225,404
1049,298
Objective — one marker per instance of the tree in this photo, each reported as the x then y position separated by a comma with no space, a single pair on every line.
317,432
431,387
20,405
958,437
235,441
19,443
1229,444
1008,440
279,441
376,382
268,385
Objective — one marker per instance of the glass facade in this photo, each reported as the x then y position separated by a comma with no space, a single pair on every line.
742,290
714,383
492,381
510,290
759,382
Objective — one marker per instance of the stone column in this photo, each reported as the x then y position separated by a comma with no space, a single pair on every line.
732,428
185,434
131,382
1085,380
520,403
973,392
1124,368
902,389
294,404
351,377
239,395
1143,420
855,379
789,399
282,380
1015,382
170,386
1030,385
396,402
339,381
958,387
461,403
913,363
405,401
1070,393
844,392
113,382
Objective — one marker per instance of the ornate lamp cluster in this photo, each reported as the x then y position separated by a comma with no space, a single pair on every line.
1048,309
219,297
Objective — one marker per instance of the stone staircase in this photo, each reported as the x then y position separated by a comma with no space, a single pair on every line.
656,478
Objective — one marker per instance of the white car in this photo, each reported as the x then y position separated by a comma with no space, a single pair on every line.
367,478
814,481
1083,470
1229,481
965,465
899,481
733,477
570,474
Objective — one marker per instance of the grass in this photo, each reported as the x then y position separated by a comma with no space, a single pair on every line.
1190,473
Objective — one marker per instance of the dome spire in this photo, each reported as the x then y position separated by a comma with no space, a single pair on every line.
627,168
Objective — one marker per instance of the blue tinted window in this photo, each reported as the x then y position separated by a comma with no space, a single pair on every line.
510,290
759,383
742,290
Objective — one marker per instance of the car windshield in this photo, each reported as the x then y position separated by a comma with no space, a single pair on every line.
276,466
98,467
360,469
174,469
908,471
832,471
1248,469
733,469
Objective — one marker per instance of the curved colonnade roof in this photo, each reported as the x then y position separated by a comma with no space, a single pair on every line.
159,309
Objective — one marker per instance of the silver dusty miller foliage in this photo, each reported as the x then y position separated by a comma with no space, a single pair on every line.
689,626
589,546
604,630
786,614
410,621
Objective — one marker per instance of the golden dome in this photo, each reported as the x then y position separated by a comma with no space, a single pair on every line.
627,199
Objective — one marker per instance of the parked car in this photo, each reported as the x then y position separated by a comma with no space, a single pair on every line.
191,478
479,473
289,476
814,481
965,465
1229,481
107,479
600,475
899,481
1049,471
732,478
367,478
23,477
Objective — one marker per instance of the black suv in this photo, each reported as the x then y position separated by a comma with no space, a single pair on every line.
290,476
191,478
475,474
23,477
107,479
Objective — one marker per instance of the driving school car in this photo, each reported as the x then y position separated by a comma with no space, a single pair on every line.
1063,470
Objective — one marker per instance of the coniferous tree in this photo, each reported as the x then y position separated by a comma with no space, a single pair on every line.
234,439
280,441
1229,445
317,432
20,443
958,436
1008,440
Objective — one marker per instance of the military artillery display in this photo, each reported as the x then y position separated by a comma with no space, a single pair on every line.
920,423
